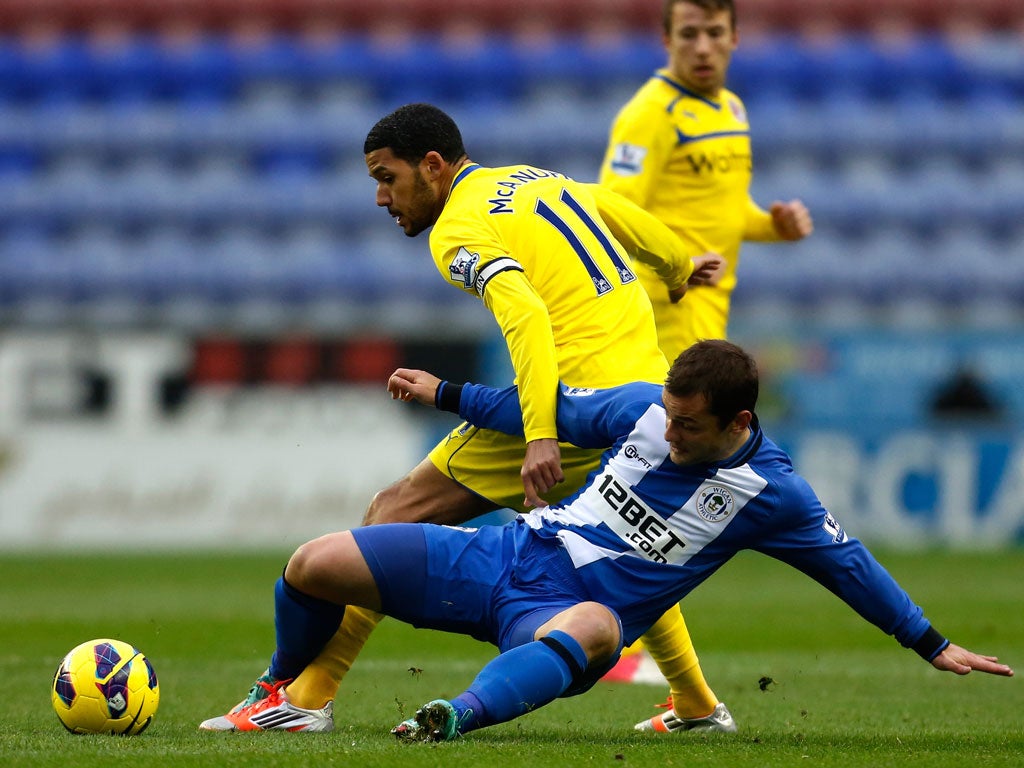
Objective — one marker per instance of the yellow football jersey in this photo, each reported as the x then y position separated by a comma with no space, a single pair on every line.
686,159
552,259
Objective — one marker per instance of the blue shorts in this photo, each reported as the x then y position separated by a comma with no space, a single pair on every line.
494,583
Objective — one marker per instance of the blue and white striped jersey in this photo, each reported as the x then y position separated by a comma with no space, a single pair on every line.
643,532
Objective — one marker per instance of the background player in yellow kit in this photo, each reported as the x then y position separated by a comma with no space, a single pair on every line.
680,149
553,260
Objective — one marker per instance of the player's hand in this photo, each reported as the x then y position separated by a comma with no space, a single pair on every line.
961,661
407,384
792,220
542,470
708,269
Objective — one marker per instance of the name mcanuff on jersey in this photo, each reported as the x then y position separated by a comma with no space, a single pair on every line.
508,186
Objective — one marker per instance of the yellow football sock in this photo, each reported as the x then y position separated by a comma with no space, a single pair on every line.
669,644
319,681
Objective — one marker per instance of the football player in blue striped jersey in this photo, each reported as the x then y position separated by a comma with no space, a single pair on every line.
690,479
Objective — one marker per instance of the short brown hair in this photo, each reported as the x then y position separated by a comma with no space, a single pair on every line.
721,371
707,5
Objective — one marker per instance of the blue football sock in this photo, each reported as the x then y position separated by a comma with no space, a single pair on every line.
303,624
520,680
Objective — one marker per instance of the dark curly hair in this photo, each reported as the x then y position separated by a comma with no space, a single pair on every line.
410,132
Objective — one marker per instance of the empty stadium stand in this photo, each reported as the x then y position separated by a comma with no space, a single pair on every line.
199,165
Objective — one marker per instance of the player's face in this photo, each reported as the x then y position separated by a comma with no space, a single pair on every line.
693,433
699,45
403,190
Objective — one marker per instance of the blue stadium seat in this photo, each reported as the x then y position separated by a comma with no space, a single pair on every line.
993,61
479,72
227,176
195,70
56,71
771,69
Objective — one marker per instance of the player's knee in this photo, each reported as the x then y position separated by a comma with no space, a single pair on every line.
595,627
597,637
605,637
308,565
296,572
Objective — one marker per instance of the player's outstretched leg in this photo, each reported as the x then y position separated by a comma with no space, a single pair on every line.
315,686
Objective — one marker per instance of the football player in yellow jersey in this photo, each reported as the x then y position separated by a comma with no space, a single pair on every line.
553,260
680,149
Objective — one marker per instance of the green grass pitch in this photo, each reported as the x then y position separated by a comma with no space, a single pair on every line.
842,694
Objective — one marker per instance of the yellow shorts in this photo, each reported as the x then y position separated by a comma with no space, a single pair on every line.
489,463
